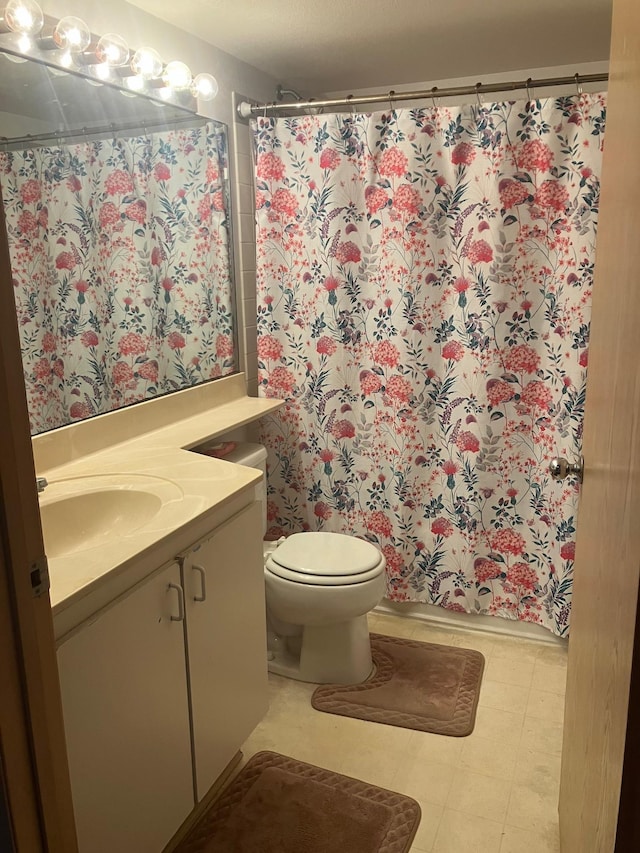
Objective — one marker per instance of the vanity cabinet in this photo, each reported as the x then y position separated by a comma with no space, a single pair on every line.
161,689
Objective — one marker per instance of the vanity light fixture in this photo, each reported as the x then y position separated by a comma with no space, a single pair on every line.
177,76
204,87
24,17
112,50
72,35
147,64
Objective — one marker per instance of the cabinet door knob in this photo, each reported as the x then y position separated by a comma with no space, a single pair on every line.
179,590
203,583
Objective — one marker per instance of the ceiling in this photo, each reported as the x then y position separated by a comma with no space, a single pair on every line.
327,45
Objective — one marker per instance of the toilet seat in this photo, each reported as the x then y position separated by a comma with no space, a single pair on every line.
326,559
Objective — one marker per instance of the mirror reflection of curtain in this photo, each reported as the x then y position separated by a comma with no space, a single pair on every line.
121,269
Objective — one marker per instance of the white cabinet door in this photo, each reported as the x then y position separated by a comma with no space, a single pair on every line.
226,640
124,696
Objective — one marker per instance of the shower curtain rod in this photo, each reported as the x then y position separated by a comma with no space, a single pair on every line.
247,110
8,144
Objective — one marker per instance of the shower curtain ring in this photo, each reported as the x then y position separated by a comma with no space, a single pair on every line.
350,100
391,94
578,84
528,87
433,97
478,86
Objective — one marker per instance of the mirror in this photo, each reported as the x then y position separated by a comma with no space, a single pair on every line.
117,213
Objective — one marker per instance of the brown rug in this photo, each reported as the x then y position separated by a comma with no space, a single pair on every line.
421,686
280,805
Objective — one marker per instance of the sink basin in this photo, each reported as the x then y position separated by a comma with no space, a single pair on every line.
88,512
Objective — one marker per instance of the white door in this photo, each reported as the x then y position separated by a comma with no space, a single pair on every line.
226,638
124,696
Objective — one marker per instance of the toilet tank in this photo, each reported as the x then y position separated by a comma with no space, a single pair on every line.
253,456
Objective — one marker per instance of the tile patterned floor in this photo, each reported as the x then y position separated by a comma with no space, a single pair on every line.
493,792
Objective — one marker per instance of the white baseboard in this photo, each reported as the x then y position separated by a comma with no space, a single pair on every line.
469,621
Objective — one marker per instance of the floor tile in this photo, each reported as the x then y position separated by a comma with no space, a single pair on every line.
479,795
504,726
546,706
429,824
538,770
510,670
426,782
542,735
523,650
423,633
392,626
551,677
491,757
462,833
504,697
521,841
484,643
436,749
529,809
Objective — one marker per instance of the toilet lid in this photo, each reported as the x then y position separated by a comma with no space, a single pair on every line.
326,558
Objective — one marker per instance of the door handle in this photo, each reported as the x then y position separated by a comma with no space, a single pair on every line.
180,591
560,468
203,583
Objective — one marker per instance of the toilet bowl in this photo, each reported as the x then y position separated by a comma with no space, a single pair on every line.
319,588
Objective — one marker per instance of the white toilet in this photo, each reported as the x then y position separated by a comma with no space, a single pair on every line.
319,588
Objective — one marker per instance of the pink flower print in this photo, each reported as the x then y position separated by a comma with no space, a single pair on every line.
327,455
568,551
450,468
122,373
375,199
176,341
108,215
393,162
399,389
204,210
378,522
281,382
442,527
461,285
485,569
369,382
522,575
149,371
583,361
81,286
30,191
260,200
331,283
272,510
42,369
348,252
467,441
212,172
285,203
512,193
508,541
80,410
269,348
326,345
131,344
522,359
343,429
43,218
552,194
386,353
157,256
48,342
453,351
463,154
479,252
224,346
406,198
161,172
395,563
534,155
73,184
538,394
270,167
58,368
137,211
453,605
65,261
27,222
89,339
329,159
118,182
322,510
218,201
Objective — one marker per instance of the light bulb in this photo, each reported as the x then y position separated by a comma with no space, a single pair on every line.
135,84
24,16
102,71
204,87
177,75
112,50
72,34
147,63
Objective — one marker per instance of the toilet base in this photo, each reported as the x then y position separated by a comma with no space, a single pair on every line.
339,653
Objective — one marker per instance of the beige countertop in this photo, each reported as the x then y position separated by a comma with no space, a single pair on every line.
197,492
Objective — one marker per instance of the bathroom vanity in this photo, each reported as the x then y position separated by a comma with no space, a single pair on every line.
158,610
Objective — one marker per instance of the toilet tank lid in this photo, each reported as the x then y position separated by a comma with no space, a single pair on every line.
319,553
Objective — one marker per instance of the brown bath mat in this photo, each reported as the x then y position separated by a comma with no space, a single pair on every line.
421,686
280,805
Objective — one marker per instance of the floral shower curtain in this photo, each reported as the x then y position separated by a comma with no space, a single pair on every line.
424,288
120,260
